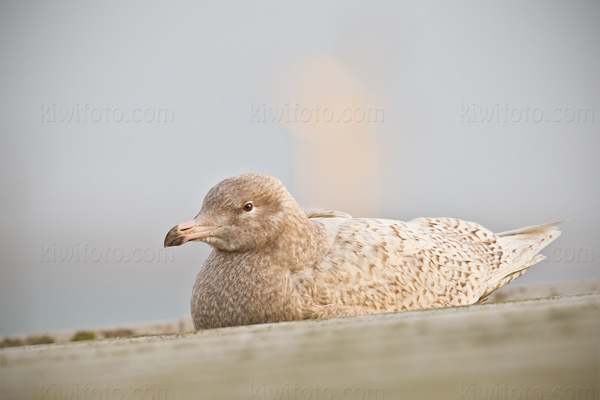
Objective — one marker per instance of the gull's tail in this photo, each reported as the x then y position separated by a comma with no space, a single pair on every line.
523,246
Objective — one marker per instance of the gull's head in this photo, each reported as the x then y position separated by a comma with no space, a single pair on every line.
239,214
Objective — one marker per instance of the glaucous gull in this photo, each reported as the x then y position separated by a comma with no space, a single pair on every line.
272,261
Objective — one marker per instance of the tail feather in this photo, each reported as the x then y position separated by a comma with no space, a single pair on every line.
532,229
521,248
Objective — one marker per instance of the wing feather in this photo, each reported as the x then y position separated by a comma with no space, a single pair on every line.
394,265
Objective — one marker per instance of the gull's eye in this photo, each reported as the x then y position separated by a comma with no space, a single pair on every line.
248,206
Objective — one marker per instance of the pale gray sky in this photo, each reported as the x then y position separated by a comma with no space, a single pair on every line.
490,112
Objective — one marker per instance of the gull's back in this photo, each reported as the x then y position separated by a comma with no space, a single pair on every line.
374,265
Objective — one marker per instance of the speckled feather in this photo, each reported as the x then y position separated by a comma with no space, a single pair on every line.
280,263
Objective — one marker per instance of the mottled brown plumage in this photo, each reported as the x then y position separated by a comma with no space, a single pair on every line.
272,261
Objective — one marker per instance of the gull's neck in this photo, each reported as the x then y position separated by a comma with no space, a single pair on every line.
299,244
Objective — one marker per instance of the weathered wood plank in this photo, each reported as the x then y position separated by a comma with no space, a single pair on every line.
548,348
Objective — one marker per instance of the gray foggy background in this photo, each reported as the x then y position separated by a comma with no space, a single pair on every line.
485,112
